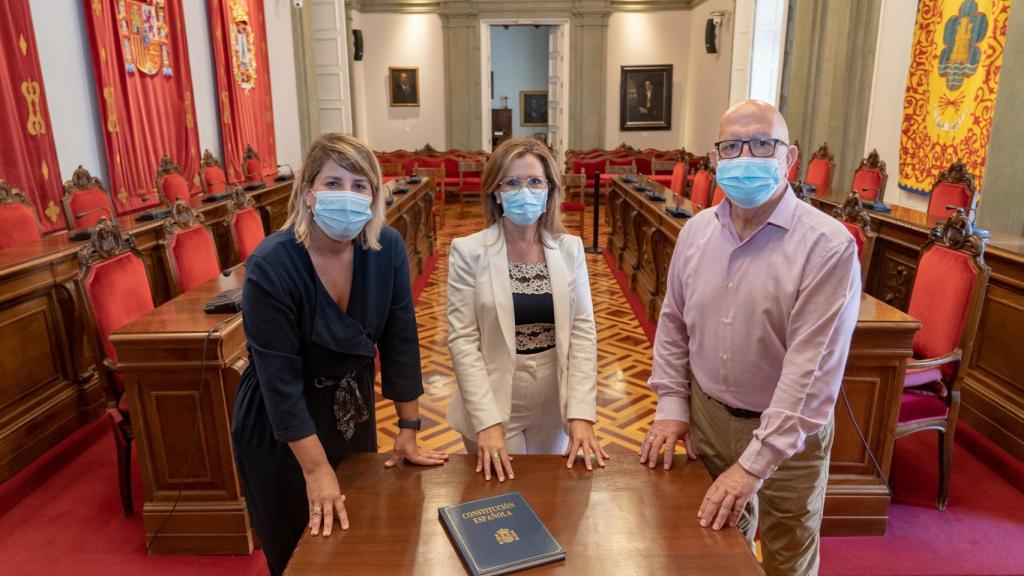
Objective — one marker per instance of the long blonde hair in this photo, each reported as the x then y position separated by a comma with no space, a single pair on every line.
497,168
351,154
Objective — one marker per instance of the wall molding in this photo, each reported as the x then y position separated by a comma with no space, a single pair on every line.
526,9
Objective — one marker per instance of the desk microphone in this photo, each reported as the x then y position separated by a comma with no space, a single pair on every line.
227,272
80,215
290,175
85,233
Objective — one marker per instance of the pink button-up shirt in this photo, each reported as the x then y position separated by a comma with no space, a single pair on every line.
763,324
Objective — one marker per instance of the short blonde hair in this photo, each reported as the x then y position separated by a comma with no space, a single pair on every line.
496,170
351,154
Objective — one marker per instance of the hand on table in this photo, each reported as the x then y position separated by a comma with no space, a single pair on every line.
581,435
490,452
666,433
406,447
727,496
325,501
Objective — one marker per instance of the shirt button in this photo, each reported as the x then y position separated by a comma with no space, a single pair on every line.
729,285
726,320
725,356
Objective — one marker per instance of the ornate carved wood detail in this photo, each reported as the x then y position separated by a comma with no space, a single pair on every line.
81,179
704,163
874,162
957,174
957,233
71,307
209,160
800,191
852,211
426,149
106,242
166,166
250,153
896,283
239,200
182,217
10,195
824,153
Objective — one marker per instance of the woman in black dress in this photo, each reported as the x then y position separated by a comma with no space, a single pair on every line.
322,297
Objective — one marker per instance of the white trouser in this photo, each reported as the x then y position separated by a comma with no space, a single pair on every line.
535,425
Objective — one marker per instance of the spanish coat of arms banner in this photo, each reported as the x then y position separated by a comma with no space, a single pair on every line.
29,158
140,59
239,38
950,97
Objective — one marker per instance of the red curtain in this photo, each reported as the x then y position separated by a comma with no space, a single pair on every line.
28,159
140,57
239,37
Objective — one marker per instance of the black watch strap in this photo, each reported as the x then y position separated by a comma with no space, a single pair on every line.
410,424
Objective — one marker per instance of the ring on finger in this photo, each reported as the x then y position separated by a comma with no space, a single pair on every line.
496,456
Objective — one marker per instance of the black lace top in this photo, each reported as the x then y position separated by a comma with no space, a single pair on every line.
534,307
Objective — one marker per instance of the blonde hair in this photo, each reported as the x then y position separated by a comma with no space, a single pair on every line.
351,154
550,222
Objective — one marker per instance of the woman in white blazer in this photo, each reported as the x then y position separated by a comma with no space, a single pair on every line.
521,322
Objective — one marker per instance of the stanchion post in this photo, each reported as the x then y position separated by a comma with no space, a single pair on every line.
594,247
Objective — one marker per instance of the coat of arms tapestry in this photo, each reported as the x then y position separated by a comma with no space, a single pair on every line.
950,97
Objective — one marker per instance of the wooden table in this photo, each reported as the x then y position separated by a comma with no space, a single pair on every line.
624,519
161,358
642,239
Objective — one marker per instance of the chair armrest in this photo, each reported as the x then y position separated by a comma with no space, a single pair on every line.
954,356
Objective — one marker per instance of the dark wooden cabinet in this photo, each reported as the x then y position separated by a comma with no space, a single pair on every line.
501,125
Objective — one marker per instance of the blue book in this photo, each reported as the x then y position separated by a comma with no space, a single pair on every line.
499,535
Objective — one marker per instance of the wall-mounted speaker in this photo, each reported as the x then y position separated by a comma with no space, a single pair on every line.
357,52
711,36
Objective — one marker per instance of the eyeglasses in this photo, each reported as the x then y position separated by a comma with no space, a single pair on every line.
531,182
759,147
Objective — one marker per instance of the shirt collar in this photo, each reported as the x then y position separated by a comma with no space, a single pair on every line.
782,216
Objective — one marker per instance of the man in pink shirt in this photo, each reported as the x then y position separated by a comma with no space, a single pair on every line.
762,299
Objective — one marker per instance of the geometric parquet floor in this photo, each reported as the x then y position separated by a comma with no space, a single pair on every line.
625,404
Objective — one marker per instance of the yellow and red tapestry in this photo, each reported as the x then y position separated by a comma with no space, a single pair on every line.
951,89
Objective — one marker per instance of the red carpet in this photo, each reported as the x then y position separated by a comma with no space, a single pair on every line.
981,532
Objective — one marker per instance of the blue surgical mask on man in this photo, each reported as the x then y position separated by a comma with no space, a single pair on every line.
747,181
342,215
525,205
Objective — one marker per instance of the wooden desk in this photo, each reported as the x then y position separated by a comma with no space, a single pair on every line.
992,396
857,502
161,358
624,519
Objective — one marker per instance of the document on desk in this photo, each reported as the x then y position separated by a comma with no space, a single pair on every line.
499,535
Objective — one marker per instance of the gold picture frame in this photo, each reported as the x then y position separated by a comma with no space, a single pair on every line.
404,86
533,108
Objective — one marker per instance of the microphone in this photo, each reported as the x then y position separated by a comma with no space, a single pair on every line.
290,175
227,272
80,215
85,233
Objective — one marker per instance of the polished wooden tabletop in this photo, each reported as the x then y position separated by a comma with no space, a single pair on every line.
624,519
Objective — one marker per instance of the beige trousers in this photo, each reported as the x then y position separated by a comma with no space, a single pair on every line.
789,505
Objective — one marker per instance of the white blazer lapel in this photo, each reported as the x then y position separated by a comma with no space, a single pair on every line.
497,263
559,294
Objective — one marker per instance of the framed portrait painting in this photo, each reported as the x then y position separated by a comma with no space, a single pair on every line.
404,86
645,98
533,108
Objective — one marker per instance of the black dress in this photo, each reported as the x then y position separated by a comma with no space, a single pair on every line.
311,370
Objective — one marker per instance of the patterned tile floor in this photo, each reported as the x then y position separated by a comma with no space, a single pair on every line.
624,402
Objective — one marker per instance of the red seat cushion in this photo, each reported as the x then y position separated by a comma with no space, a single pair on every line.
118,289
819,174
941,295
92,204
451,180
216,182
253,170
174,188
918,405
195,257
248,230
643,165
451,166
921,376
870,179
17,225
854,231
946,194
573,207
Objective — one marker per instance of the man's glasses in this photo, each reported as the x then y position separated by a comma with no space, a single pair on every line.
759,147
515,183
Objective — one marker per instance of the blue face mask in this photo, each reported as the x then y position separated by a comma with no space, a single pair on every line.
749,182
342,215
524,206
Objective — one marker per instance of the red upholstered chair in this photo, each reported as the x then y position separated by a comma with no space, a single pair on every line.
245,224
717,196
794,171
870,178
644,165
469,181
189,250
391,169
170,183
819,171
954,187
214,181
115,289
589,166
85,200
703,187
575,186
858,223
949,290
451,160
617,167
18,224
678,182
436,175
252,165
662,171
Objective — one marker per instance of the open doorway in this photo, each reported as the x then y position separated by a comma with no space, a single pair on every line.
524,67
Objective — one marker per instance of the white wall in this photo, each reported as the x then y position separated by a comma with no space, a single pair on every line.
707,95
399,40
885,115
647,38
64,56
519,58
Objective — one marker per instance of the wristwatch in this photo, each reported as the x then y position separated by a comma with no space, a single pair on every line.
410,424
